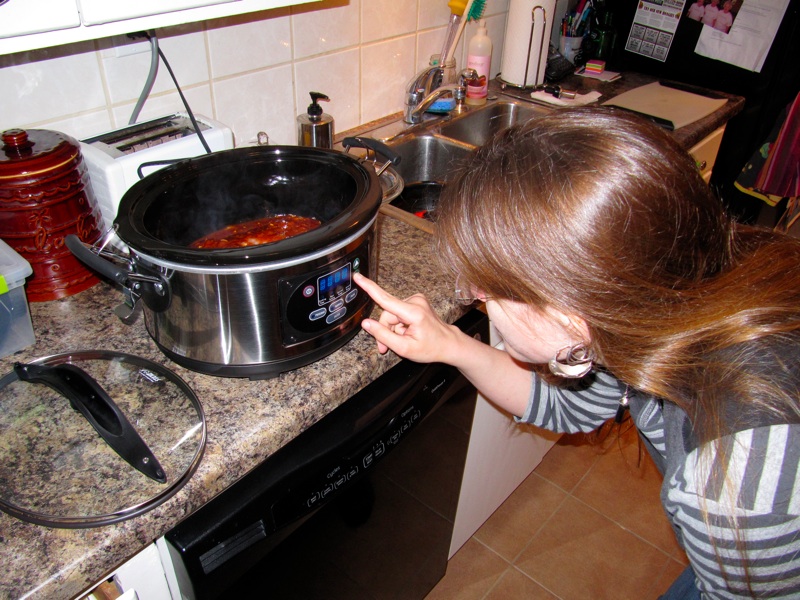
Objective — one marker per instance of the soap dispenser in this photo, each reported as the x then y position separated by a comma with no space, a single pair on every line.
315,128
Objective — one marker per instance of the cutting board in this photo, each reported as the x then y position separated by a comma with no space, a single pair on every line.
677,106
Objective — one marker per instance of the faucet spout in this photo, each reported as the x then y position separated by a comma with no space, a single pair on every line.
419,99
420,86
414,114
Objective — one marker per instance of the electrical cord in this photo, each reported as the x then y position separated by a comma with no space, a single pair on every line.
189,112
148,84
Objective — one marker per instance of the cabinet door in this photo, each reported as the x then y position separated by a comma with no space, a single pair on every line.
23,17
97,12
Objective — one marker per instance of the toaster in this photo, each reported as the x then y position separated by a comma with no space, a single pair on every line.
113,159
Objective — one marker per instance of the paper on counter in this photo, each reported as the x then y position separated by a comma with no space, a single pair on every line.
578,100
677,106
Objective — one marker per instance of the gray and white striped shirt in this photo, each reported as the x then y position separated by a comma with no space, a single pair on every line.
728,502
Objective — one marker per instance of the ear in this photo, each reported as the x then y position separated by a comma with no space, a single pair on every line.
572,323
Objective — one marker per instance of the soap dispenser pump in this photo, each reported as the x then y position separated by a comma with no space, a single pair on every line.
315,128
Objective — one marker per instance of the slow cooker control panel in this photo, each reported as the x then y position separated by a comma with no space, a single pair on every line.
315,302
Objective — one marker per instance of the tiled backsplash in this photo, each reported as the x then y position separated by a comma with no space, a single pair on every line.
252,72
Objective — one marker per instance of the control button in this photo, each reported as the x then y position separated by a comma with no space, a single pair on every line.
336,305
351,295
335,316
313,501
308,291
356,263
379,450
352,472
317,314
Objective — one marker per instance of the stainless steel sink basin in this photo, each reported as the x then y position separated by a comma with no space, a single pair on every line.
432,153
477,127
429,158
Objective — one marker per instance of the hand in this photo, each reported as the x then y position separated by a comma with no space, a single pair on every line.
409,327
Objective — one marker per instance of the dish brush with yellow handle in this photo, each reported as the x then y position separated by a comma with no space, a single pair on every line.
456,12
474,11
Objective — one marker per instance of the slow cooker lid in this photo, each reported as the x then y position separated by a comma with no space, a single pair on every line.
161,215
57,469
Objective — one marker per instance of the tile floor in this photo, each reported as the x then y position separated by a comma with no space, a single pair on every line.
586,524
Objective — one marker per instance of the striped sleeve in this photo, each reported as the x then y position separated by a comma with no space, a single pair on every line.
744,493
572,409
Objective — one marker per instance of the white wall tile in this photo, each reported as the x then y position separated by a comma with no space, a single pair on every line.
386,67
335,75
185,50
262,101
496,7
252,72
48,84
247,43
382,19
432,13
81,126
428,42
325,26
198,97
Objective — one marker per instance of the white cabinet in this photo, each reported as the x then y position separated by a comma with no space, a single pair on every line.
502,453
23,17
97,12
31,24
146,576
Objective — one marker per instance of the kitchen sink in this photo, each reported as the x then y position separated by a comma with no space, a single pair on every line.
476,128
433,152
430,158
428,163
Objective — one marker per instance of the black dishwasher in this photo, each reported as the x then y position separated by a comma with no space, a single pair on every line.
359,506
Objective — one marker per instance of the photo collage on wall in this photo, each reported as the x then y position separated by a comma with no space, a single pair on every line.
719,14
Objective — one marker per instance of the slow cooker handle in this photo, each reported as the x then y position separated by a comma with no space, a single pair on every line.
152,287
89,258
374,145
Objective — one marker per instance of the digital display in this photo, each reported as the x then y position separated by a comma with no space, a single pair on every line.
333,285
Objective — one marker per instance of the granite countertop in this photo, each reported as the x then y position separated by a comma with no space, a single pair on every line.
687,136
246,420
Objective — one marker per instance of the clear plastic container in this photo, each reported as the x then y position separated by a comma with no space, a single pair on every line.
16,330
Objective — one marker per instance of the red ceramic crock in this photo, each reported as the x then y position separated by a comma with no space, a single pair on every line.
45,195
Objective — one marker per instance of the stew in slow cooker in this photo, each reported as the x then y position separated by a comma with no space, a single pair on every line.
253,233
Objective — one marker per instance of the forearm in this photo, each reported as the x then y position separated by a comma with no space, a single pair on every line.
499,378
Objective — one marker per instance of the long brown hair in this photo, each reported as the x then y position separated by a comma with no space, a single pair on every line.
601,214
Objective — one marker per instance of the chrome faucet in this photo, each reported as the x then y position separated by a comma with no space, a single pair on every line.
425,88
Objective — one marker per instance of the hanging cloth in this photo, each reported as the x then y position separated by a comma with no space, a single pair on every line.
773,172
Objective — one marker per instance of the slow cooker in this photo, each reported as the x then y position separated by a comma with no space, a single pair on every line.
253,311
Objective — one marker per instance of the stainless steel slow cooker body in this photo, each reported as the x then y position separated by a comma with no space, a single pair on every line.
261,310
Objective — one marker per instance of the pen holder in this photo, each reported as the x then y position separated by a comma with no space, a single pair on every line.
570,47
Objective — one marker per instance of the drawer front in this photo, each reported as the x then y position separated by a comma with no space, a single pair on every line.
705,152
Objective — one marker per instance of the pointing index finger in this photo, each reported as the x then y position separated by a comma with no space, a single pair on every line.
383,298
